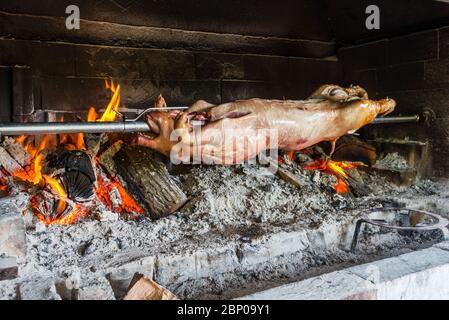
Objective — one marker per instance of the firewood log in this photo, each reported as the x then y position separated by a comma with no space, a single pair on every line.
147,178
143,288
16,151
8,164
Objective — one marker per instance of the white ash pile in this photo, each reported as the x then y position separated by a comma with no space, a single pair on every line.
392,161
241,230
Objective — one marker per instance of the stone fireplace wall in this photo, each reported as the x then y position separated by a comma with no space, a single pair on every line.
222,51
202,50
414,70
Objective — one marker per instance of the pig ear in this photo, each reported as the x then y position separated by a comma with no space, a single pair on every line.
331,92
159,102
338,94
318,93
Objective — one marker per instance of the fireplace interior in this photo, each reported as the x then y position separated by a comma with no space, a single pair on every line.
83,213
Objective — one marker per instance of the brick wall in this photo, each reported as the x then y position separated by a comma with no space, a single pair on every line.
70,77
414,70
230,50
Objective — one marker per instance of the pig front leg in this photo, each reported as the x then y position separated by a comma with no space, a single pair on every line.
169,131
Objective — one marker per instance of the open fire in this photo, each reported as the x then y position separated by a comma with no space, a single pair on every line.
51,202
62,192
335,168
338,169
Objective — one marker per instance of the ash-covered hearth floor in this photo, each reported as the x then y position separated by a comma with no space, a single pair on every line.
242,231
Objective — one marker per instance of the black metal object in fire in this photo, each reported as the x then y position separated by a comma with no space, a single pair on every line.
78,175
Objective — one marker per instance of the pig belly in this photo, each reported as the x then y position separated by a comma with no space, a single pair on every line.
299,129
231,141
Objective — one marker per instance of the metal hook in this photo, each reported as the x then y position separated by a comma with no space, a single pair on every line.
148,110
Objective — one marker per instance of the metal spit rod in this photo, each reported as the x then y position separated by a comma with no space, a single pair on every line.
404,119
32,128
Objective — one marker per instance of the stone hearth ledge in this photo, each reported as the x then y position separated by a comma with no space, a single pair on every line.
182,264
422,274
210,256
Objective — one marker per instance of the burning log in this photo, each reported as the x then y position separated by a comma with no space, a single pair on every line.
8,164
289,177
13,158
285,174
350,148
94,142
16,150
106,158
348,180
147,178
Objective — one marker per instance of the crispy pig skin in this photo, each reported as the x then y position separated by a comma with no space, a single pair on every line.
237,131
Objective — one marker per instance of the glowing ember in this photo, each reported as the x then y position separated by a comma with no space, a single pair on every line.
3,186
335,168
128,204
78,212
65,211
289,155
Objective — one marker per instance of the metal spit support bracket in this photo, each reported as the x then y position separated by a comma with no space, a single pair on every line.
439,223
141,113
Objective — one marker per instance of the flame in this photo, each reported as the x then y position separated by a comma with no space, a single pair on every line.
33,174
335,168
102,193
63,138
37,169
92,115
21,139
78,141
110,114
59,190
78,212
128,204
